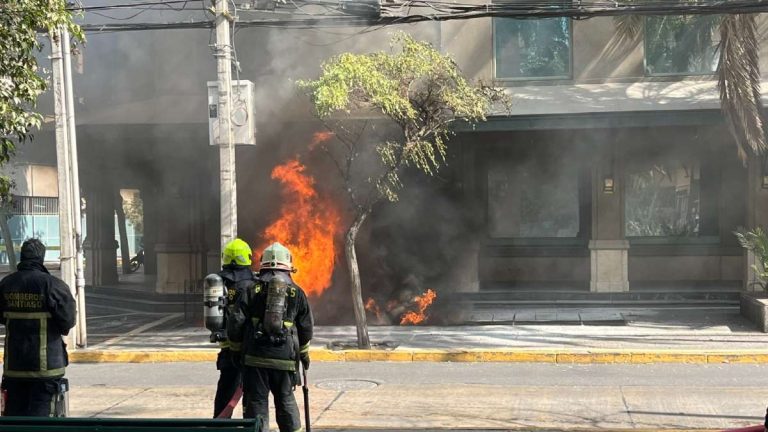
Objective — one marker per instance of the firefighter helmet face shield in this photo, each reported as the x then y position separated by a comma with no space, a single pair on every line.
278,257
236,252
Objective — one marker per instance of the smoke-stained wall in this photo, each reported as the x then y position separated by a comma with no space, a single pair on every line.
142,113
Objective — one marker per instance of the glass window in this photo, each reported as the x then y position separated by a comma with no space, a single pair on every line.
532,48
662,198
681,45
534,195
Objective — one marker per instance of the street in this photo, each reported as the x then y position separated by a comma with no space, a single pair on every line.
454,395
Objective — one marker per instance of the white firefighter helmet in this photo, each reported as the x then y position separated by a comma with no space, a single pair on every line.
276,257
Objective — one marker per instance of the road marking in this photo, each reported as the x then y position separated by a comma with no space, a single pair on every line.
140,329
122,315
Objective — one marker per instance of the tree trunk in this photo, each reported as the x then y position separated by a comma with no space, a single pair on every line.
363,342
7,238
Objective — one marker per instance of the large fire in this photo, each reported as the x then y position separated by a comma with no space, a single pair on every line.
308,225
417,316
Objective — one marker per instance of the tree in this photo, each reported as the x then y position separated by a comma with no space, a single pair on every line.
134,212
416,89
738,68
756,241
20,80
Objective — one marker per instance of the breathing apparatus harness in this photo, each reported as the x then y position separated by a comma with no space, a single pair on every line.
273,326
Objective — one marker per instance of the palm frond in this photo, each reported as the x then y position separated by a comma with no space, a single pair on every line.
756,241
628,27
739,83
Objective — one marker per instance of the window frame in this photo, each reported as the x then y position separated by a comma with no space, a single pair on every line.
567,77
698,238
648,74
489,240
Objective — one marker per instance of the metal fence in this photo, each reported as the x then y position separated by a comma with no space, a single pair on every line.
29,205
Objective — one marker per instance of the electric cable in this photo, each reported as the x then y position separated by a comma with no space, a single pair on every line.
444,11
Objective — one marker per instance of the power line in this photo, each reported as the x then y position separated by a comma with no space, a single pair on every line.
166,3
456,11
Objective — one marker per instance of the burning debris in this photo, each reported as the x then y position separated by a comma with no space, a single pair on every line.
422,302
319,138
372,307
407,310
308,225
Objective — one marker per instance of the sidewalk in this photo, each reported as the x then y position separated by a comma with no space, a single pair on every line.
714,335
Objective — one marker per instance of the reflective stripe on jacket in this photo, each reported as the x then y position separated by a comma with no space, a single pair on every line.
37,310
245,327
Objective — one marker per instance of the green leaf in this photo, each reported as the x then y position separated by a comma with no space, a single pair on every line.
419,89
20,84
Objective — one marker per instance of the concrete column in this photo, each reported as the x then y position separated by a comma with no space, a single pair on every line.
181,257
150,198
609,260
757,215
468,279
178,265
608,246
99,244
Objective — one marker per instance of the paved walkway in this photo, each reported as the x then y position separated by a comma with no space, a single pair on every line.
670,335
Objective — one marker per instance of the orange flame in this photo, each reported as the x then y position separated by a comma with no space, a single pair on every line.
371,306
319,137
423,302
307,226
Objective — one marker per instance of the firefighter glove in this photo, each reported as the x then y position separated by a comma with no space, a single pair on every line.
305,360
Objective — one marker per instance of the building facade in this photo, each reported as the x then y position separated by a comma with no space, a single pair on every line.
613,171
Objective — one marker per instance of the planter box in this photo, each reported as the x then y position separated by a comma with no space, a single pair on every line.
754,307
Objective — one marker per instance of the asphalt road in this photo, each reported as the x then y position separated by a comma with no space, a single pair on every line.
455,395
501,374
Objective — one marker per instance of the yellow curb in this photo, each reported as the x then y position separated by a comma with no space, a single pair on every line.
594,357
667,357
114,356
446,356
424,355
737,358
357,355
324,355
518,357
392,356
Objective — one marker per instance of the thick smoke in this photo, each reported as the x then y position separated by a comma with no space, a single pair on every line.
153,84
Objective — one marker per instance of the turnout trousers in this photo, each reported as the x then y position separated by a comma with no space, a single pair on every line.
31,397
257,384
229,380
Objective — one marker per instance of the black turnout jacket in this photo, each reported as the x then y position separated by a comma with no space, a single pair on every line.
244,326
37,310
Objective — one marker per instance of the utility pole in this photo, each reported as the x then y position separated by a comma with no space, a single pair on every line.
225,138
66,252
70,229
74,176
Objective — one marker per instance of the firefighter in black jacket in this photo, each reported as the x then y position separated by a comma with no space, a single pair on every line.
274,323
237,277
38,309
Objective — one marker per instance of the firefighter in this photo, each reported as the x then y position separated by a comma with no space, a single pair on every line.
236,260
37,309
274,323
